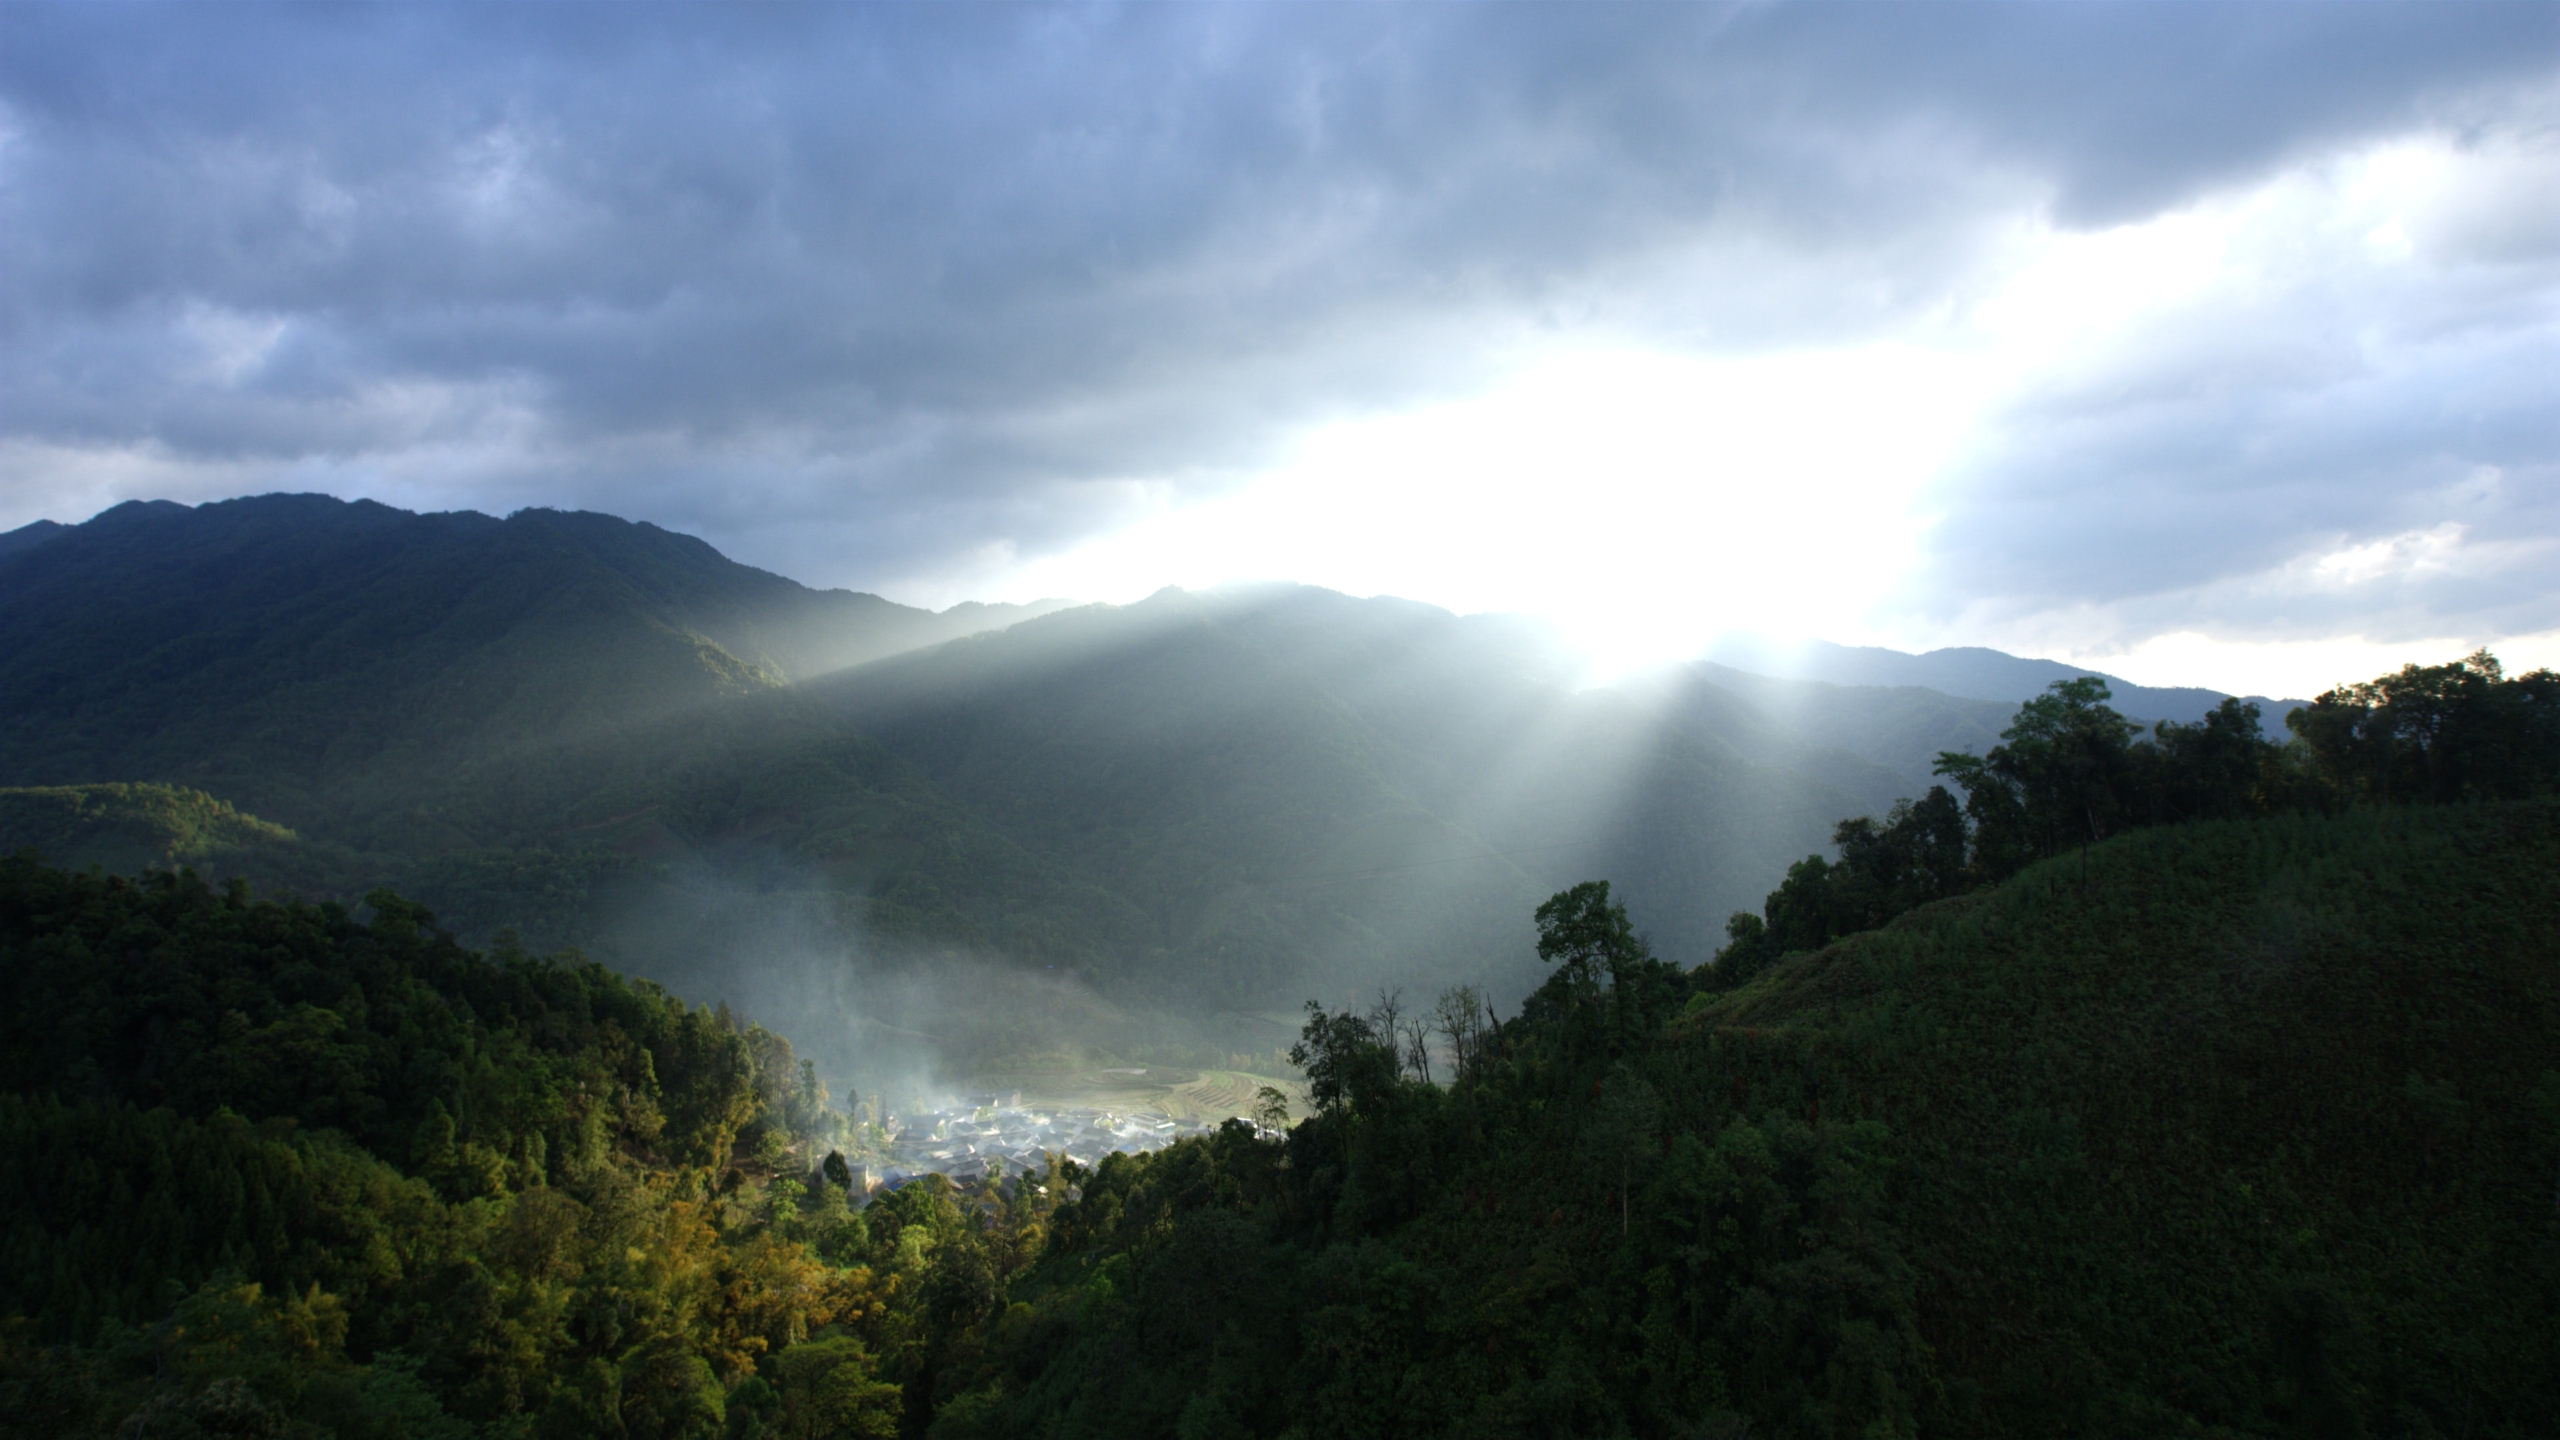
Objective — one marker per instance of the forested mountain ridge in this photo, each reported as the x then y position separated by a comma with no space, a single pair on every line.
607,736
1382,780
132,828
304,656
33,533
2069,770
2250,1132
2172,1081
1876,741
1972,672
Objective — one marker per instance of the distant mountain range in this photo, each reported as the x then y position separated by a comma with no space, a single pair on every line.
604,734
1969,671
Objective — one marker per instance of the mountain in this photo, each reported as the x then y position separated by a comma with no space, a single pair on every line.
310,658
604,735
307,1171
1329,792
1880,742
2218,1127
1970,672
28,536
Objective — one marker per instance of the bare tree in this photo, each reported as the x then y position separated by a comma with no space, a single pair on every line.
1387,1009
1386,1021
1460,1015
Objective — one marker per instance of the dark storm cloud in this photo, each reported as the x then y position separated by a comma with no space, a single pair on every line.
850,289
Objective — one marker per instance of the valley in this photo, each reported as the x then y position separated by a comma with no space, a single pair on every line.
1067,720
671,1014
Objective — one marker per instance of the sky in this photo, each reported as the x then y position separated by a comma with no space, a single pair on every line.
2205,344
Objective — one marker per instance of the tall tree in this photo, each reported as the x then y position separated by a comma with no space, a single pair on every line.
1587,935
2062,775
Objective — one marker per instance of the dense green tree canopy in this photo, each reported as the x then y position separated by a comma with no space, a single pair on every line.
2069,771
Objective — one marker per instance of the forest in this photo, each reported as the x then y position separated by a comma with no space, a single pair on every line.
2181,1084
2070,771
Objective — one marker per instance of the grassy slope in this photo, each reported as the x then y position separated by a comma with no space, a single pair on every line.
2267,1105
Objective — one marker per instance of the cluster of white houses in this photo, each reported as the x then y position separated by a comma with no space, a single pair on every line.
996,1135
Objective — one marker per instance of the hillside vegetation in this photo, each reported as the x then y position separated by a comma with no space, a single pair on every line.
2069,771
2255,1133
2253,1130
278,1171
134,827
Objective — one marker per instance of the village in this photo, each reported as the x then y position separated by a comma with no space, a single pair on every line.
996,1135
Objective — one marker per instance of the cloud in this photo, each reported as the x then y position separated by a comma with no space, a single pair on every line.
872,294
2322,405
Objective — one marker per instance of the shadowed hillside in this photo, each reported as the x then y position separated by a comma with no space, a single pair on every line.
1271,771
2253,1132
604,735
133,827
313,659
2249,1130
1969,671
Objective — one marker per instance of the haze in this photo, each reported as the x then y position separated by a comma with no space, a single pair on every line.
2214,344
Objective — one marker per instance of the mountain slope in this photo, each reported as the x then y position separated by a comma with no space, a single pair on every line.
290,1174
304,656
127,828
1895,732
2252,1134
28,536
608,736
1285,776
2265,1117
1968,672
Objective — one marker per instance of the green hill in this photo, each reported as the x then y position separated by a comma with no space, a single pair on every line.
133,827
2256,1134
2263,1119
277,1171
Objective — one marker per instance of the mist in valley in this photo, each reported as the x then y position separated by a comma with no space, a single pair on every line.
895,1029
